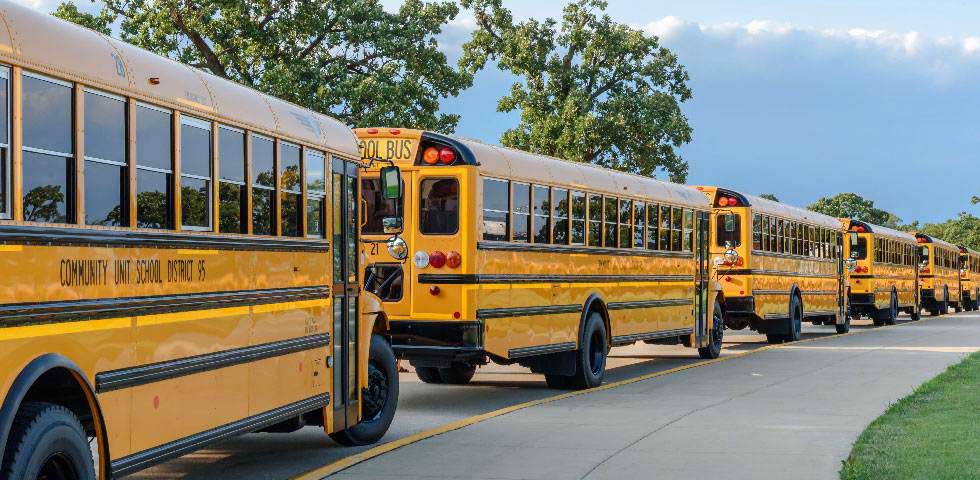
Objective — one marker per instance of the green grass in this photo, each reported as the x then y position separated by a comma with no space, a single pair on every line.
934,433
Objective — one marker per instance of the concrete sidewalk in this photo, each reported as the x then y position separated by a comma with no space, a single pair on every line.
790,412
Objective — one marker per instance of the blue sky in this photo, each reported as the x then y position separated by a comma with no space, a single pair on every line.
802,99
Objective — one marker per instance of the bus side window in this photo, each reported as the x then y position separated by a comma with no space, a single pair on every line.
291,193
48,149
640,223
195,174
625,223
231,187
521,211
154,167
611,214
756,232
263,186
688,238
676,229
578,218
316,194
542,214
665,227
560,233
653,226
5,143
106,172
595,220
496,210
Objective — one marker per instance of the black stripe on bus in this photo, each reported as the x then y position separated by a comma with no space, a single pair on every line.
70,236
774,273
540,350
147,458
637,337
649,304
485,313
517,278
41,313
582,249
155,372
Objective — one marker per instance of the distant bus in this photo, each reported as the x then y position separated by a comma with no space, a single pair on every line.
520,258
885,277
789,266
970,278
939,275
181,261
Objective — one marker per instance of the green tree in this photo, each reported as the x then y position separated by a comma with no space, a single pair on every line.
962,230
348,58
769,196
590,90
975,200
854,206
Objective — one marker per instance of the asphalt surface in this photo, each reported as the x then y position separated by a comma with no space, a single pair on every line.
792,409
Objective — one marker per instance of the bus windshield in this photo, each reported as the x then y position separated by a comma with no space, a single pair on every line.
859,247
376,206
729,230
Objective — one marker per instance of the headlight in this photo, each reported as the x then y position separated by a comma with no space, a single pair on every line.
397,248
731,256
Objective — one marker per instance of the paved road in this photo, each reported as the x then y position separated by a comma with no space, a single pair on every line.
624,414
790,412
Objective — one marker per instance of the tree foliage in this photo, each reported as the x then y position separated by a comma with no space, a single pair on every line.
348,58
962,230
590,89
854,206
769,196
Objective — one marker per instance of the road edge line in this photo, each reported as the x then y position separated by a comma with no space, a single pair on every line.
347,462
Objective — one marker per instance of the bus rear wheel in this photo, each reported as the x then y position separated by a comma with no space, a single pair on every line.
590,359
47,442
378,401
845,326
713,350
457,374
889,315
428,374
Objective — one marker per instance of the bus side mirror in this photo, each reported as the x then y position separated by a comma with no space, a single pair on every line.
392,188
391,183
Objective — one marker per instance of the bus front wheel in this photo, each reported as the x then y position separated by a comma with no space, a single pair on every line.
713,350
378,401
47,441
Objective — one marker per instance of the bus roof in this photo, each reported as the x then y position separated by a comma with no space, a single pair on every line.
936,241
883,231
494,160
48,45
779,209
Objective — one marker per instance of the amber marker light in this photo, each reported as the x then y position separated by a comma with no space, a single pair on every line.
430,156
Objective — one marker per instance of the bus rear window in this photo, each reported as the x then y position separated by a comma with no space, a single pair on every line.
859,247
439,205
376,207
729,230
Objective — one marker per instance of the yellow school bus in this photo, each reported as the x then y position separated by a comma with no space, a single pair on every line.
786,268
884,280
970,278
181,258
513,257
939,275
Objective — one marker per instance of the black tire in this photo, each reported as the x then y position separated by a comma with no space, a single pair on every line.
428,374
916,313
47,441
379,401
457,374
891,315
795,319
558,382
713,350
934,312
775,338
590,359
844,327
944,310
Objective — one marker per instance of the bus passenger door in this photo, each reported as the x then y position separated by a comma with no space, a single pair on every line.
841,281
345,291
702,274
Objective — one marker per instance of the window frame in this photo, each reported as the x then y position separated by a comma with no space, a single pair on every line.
459,206
315,195
245,212
274,214
206,125
484,209
71,180
124,201
512,214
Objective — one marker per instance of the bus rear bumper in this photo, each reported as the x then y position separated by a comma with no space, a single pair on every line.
436,343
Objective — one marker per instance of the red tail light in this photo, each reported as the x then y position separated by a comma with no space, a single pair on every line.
732,202
447,156
454,260
437,259
372,131
394,131
430,156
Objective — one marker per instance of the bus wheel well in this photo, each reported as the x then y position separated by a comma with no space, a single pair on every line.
595,304
60,387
